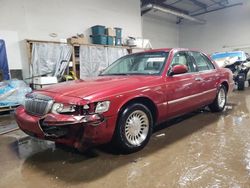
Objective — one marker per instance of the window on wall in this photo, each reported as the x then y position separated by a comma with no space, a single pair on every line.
202,62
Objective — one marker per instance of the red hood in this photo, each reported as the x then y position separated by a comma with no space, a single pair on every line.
100,87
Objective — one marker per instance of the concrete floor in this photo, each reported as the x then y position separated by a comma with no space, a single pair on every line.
199,150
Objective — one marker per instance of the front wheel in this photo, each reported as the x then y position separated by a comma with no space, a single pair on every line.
220,101
134,128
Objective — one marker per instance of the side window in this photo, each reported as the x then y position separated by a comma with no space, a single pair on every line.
182,58
202,62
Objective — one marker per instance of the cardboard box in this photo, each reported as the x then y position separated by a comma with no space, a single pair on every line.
45,80
77,40
110,32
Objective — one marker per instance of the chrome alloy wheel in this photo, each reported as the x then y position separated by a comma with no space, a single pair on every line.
221,98
136,127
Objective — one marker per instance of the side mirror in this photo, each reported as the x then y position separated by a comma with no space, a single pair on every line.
178,69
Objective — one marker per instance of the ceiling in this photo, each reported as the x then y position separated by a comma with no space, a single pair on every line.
190,7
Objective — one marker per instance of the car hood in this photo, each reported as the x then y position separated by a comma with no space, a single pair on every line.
102,86
227,61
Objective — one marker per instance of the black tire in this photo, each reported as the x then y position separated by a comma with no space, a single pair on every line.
120,140
248,83
215,106
241,85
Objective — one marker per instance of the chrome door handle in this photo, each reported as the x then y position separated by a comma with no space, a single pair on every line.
198,79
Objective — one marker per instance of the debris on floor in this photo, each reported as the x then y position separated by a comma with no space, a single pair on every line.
160,135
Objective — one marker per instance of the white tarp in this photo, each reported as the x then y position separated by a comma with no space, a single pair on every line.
46,56
93,59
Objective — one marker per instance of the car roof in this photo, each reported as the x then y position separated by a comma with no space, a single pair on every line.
159,50
227,52
240,54
170,49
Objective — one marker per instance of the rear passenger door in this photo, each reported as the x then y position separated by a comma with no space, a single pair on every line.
207,77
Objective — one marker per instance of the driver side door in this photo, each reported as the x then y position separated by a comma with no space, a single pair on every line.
182,89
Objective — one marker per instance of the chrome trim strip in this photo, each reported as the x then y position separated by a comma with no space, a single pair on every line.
195,73
191,96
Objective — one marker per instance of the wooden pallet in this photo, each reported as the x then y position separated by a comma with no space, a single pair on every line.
8,108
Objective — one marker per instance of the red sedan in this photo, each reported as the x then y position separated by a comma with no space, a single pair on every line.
128,99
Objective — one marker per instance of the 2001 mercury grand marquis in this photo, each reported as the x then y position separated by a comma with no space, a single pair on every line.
129,98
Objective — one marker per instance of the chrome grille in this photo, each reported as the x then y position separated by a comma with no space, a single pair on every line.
37,104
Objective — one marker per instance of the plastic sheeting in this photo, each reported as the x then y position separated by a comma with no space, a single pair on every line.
46,57
93,59
12,92
3,61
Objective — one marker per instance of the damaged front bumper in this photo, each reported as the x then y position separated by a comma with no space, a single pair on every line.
73,130
60,119
57,125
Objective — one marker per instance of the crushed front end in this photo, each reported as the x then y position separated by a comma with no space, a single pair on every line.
67,120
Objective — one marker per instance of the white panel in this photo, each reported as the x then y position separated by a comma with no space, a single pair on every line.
162,33
94,59
228,27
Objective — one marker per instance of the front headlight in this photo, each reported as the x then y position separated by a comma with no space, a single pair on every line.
102,107
58,108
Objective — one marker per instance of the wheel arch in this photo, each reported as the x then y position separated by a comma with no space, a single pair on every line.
142,100
225,83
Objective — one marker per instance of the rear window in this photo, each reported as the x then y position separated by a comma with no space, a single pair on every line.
202,62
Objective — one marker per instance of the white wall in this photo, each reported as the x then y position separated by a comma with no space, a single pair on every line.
13,50
163,32
228,27
36,19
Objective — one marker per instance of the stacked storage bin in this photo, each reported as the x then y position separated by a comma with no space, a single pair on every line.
106,36
110,32
98,35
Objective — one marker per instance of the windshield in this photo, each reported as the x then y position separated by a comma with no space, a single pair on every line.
150,63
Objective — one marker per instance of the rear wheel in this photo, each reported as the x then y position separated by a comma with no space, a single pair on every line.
241,85
220,101
134,128
241,81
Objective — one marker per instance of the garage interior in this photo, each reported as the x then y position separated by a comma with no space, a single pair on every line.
200,149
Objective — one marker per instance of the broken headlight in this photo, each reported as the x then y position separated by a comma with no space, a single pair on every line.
60,108
102,107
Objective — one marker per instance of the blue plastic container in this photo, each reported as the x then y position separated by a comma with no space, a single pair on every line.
118,32
98,30
99,39
110,40
118,41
